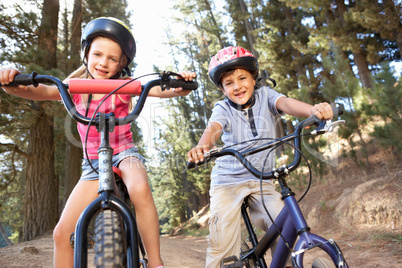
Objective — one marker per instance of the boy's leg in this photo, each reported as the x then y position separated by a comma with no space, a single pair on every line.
225,222
273,203
136,180
82,195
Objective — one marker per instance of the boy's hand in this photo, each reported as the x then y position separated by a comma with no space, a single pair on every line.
322,111
197,153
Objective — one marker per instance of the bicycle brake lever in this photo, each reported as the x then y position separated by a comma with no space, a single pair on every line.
165,79
212,152
328,126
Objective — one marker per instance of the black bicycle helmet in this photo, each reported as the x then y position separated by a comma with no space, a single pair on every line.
111,28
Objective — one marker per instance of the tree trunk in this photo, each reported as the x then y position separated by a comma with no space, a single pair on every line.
48,33
41,189
364,72
218,34
76,34
249,29
72,169
73,153
359,58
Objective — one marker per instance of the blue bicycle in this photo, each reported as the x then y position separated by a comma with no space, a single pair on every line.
295,236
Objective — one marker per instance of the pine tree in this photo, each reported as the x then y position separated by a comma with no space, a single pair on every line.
387,96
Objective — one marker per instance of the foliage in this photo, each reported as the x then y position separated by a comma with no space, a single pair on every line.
387,104
324,50
316,50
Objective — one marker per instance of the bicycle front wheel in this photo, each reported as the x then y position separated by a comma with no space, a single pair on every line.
109,240
323,263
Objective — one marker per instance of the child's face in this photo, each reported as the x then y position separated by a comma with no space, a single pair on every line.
238,86
105,58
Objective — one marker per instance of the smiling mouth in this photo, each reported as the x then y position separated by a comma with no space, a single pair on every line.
240,94
101,72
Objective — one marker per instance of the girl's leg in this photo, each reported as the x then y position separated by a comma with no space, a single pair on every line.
136,180
82,195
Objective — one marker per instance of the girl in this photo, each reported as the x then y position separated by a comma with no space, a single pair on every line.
107,47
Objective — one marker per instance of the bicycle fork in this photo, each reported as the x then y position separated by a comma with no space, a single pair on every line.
307,240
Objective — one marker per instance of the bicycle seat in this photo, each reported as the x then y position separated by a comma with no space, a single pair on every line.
117,171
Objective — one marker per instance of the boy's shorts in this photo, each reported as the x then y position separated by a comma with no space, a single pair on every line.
88,174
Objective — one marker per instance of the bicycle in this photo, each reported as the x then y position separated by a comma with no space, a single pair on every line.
117,242
290,225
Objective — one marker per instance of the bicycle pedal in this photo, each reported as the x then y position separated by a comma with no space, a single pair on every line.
91,241
231,262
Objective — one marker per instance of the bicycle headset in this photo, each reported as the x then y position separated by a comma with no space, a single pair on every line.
114,29
231,58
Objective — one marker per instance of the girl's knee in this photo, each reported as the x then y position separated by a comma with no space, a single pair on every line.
61,234
58,234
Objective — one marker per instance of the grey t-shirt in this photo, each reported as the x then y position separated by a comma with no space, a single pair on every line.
238,125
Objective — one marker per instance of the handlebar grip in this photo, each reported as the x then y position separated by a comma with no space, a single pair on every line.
186,85
337,111
104,86
190,165
23,79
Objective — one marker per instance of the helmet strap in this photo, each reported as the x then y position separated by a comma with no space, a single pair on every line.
250,103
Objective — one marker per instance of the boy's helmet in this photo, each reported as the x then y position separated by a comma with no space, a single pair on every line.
231,58
111,28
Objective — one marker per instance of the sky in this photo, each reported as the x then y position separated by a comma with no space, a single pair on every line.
149,22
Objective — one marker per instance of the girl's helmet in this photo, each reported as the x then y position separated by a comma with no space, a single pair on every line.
231,58
111,28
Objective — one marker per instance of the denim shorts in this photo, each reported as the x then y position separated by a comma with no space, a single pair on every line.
89,174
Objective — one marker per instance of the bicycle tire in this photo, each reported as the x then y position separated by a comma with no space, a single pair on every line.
109,240
323,263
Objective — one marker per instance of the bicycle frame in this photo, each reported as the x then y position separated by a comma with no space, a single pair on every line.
292,225
106,200
290,222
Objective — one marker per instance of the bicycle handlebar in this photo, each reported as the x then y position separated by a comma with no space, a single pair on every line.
322,127
103,86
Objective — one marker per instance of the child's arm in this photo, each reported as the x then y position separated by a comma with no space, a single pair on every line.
41,92
174,92
207,141
301,109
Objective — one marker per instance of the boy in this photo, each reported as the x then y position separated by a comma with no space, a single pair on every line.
247,112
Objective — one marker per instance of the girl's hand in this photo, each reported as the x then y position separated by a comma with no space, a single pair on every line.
322,111
7,76
187,76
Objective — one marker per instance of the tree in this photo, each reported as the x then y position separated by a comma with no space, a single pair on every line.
72,57
41,192
387,96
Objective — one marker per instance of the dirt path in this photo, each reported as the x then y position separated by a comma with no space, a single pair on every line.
373,245
189,252
177,251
